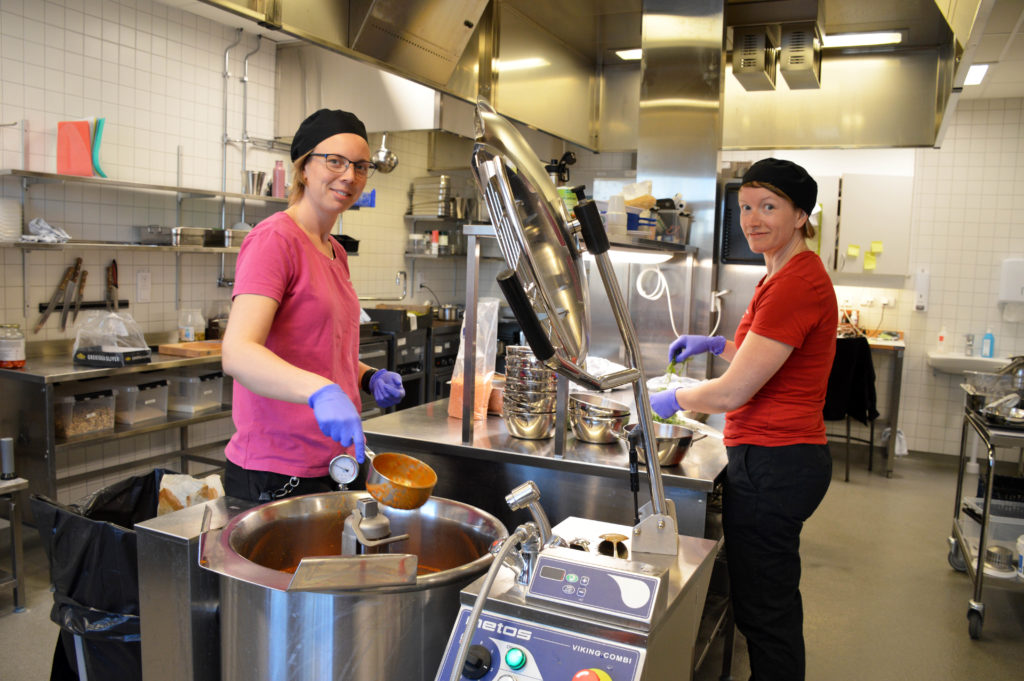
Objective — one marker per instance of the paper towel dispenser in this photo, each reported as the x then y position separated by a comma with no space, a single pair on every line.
1011,281
1011,290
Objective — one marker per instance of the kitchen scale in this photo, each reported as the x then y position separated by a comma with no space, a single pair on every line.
586,600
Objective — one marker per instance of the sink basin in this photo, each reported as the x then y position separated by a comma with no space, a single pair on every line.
957,364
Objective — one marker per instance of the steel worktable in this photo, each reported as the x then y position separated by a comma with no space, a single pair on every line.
589,481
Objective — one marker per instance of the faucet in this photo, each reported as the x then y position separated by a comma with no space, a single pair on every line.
969,347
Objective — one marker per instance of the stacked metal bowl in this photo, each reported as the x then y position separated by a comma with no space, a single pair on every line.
597,419
528,405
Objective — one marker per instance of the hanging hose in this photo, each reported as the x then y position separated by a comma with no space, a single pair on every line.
660,289
519,536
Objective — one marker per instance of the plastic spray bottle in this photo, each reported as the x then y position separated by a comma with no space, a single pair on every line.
988,342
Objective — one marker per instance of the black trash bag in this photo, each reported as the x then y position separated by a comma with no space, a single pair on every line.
91,549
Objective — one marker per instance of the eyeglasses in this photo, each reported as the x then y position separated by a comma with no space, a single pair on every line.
339,165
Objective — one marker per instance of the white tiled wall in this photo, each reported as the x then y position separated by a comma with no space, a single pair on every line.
156,74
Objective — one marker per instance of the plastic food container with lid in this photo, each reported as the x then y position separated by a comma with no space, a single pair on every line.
195,389
80,410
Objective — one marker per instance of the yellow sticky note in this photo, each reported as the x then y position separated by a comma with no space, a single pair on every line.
853,251
869,261
876,247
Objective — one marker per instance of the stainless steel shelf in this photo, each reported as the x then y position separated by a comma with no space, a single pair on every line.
120,432
34,177
115,245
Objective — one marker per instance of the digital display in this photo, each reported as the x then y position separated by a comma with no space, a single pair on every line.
551,572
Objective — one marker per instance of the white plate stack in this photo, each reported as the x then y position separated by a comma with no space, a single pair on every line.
10,220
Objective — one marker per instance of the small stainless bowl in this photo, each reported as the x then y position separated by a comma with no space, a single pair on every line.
529,400
595,405
597,429
672,442
999,558
529,426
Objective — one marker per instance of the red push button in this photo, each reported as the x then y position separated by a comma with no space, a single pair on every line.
591,675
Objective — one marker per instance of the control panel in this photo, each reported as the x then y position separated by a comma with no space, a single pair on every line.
595,587
509,649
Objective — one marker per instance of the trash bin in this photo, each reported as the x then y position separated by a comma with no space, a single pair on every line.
91,548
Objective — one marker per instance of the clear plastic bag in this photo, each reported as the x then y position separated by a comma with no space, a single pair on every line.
486,352
109,339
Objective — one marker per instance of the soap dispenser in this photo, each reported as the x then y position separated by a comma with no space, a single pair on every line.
988,342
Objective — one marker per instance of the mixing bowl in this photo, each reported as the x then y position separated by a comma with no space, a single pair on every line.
595,428
595,405
671,441
528,426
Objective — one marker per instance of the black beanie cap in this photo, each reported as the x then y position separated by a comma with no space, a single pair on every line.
322,124
789,178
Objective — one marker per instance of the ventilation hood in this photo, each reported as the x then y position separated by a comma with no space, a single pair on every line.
420,37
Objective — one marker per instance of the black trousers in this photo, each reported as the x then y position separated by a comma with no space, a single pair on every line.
265,486
768,494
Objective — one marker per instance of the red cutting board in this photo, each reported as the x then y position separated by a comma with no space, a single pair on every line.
190,349
74,148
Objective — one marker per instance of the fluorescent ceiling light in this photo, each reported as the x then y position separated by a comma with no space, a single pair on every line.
630,55
975,74
521,64
622,256
862,39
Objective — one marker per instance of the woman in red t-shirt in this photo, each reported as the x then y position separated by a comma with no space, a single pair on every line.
773,394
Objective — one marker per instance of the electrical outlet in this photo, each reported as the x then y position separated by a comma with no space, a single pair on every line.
417,282
143,286
868,302
885,302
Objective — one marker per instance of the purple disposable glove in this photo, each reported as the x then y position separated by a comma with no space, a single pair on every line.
387,388
685,347
338,418
664,403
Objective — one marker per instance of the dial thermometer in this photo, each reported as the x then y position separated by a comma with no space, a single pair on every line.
343,469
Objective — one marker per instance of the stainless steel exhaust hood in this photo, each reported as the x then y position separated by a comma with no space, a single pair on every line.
421,37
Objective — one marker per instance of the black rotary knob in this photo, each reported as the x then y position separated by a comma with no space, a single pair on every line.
478,662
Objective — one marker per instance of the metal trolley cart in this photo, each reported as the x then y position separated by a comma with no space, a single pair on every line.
1000,521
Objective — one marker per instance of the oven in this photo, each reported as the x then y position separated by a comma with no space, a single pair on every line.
374,351
443,349
409,360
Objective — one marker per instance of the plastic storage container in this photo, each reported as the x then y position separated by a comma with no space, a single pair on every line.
194,390
144,401
80,409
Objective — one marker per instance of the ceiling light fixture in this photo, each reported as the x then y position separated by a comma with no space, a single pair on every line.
863,39
976,74
521,64
630,55
624,256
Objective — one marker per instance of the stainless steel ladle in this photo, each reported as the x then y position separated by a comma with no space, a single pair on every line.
385,159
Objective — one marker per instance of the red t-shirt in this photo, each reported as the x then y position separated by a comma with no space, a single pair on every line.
316,328
796,306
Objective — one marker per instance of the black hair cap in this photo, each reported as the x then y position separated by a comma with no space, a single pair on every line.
789,178
322,124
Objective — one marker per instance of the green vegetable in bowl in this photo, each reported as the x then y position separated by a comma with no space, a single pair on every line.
678,368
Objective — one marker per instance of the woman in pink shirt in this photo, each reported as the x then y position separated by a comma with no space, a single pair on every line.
292,341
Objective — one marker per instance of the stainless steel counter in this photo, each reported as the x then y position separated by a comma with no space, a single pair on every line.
589,481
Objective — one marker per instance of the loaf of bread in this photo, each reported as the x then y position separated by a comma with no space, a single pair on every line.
180,491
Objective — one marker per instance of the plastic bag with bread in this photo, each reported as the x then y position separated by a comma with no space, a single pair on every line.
180,491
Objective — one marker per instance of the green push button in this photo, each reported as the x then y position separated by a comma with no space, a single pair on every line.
572,578
515,658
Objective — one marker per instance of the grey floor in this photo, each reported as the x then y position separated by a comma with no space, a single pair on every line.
880,599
